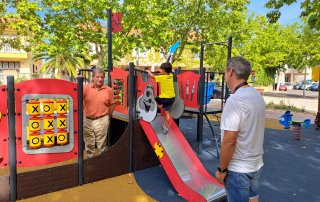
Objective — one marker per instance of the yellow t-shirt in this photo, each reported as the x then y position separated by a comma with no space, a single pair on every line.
166,85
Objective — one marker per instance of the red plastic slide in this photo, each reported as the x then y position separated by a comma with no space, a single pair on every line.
184,169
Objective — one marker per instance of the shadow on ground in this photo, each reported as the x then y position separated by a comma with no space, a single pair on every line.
291,171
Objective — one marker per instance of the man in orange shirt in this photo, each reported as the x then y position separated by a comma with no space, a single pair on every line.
98,107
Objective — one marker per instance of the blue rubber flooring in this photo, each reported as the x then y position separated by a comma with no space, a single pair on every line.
291,171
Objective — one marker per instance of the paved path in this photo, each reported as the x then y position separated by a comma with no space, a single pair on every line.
309,104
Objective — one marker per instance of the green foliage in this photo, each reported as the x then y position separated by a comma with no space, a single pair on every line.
35,75
311,10
283,106
187,59
65,62
20,79
63,32
147,23
264,76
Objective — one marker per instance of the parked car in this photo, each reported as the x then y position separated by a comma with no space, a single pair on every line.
314,87
307,85
313,84
297,85
283,87
289,85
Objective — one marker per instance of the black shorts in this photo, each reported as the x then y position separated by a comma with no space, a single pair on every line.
166,102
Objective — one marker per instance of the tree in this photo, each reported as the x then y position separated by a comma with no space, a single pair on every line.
147,23
4,21
311,10
155,25
65,62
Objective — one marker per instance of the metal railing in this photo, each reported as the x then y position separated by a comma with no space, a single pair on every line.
7,48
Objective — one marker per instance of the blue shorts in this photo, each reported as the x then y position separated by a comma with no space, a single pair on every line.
242,186
166,102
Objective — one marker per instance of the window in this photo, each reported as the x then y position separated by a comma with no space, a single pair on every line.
9,65
5,65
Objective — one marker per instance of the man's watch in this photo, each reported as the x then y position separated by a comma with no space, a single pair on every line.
222,170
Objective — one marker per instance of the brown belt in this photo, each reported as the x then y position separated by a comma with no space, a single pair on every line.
97,117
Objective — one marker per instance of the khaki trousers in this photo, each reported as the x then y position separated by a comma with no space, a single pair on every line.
95,133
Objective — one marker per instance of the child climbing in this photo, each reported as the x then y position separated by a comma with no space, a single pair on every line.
167,95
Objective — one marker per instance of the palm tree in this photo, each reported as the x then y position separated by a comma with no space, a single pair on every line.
65,62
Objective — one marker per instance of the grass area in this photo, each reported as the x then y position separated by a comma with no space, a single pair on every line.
286,107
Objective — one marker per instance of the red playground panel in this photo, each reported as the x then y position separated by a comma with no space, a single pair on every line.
188,83
46,122
4,141
119,85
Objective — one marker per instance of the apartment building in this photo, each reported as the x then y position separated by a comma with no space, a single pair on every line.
17,63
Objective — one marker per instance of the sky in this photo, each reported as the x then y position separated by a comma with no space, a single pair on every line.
289,14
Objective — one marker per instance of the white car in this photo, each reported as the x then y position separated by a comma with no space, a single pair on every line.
313,84
306,86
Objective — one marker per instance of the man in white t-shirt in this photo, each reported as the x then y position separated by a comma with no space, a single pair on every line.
242,135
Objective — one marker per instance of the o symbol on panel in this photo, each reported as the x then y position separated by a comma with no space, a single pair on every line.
59,137
46,108
33,142
35,125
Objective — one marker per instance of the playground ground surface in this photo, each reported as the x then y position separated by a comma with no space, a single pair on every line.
291,171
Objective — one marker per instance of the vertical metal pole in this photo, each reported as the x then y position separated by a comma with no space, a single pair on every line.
319,92
109,45
175,81
229,46
229,56
222,91
80,131
12,138
200,97
138,52
131,113
179,70
317,119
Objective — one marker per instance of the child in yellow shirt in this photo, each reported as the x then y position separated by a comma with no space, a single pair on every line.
167,95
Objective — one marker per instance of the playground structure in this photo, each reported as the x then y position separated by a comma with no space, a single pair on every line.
58,107
286,121
39,135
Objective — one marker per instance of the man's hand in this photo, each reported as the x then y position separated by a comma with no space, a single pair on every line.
221,176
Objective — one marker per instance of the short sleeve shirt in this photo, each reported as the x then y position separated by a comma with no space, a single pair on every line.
245,112
97,101
166,85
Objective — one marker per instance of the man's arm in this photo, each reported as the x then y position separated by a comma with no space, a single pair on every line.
111,109
228,146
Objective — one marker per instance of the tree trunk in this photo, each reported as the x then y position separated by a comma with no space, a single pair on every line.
100,60
101,53
278,80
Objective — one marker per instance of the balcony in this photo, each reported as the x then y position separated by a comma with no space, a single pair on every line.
7,52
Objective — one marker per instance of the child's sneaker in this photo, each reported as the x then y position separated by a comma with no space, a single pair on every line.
165,129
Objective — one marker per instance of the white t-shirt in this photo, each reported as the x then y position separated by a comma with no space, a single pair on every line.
245,112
